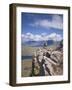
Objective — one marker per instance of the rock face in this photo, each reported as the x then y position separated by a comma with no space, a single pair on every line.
47,62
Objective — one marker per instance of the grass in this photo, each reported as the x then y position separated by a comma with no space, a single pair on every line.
28,50
26,68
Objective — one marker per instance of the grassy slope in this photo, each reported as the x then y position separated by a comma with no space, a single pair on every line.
28,51
26,68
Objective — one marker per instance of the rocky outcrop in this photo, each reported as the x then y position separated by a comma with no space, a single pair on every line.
47,62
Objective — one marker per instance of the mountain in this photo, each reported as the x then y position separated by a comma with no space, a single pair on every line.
38,43
50,42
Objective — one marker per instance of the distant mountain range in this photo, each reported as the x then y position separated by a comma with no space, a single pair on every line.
39,43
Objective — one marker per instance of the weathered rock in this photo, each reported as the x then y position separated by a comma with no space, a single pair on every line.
46,62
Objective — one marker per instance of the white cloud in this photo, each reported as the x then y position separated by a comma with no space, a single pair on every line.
43,34
27,36
41,37
55,37
37,37
56,22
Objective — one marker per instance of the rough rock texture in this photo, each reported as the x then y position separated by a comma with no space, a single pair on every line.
47,62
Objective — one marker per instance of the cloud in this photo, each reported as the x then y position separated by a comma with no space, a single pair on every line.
56,22
44,34
55,37
41,37
28,36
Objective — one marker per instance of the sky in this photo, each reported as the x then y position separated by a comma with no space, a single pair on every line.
38,27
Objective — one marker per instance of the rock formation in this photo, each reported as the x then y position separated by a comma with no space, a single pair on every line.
47,62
